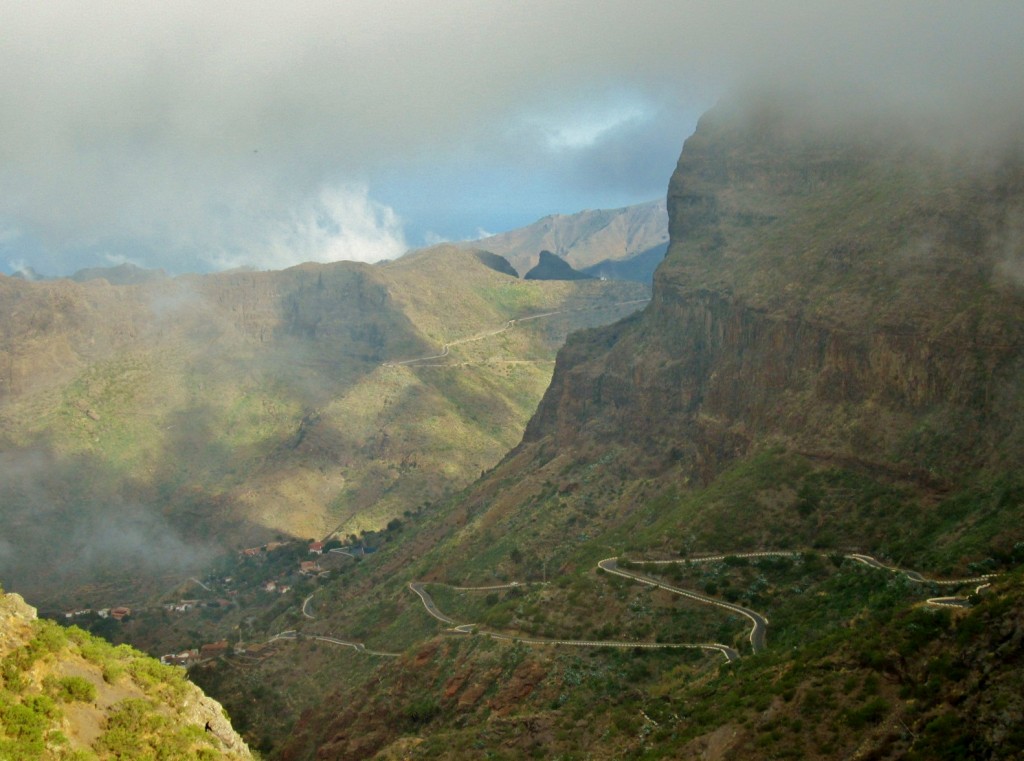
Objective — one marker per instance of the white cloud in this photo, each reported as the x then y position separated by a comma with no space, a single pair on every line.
19,265
119,259
341,223
431,238
584,129
164,130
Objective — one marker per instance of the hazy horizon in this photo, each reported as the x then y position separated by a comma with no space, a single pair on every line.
199,138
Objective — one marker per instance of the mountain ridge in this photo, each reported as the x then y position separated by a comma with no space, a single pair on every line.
222,398
585,238
831,364
825,390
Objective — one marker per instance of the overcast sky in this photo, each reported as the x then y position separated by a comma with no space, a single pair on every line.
203,135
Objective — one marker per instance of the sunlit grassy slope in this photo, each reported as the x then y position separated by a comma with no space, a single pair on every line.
831,364
225,409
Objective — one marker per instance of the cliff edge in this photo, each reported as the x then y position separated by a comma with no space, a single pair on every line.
848,294
67,694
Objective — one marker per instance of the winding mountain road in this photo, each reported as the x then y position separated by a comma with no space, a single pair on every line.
758,632
915,576
293,635
359,647
956,602
305,607
428,603
417,361
456,628
859,557
759,623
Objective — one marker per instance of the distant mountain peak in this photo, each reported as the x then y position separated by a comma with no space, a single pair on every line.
553,267
586,238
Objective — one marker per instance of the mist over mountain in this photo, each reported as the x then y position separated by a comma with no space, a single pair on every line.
829,373
764,501
155,424
774,513
121,274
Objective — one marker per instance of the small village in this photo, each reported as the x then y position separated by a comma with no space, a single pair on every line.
255,583
118,613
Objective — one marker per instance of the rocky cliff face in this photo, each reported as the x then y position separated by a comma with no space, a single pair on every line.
833,352
850,297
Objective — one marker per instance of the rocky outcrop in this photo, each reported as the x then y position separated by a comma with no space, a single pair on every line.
38,655
844,296
16,617
496,263
552,267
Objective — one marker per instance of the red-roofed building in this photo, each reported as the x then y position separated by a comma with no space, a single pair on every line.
214,649
316,548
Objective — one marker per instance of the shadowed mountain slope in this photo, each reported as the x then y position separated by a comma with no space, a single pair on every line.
831,364
552,267
139,421
639,267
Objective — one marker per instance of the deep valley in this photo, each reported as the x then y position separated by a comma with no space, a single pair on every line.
770,509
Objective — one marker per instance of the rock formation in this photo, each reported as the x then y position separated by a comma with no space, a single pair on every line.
852,297
74,692
552,267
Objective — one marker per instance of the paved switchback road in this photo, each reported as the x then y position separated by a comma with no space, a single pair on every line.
874,562
759,622
758,632
729,653
428,603
509,325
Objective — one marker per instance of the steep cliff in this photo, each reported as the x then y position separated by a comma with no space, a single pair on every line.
831,366
850,295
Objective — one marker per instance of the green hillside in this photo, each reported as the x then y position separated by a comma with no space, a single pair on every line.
776,514
153,426
65,694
